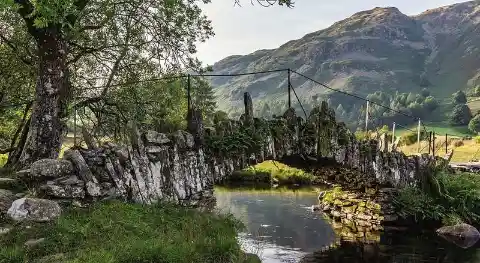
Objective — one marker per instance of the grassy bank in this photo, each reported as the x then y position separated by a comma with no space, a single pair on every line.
126,233
273,172
450,198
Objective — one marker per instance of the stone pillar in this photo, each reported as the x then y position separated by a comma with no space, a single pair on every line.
195,126
247,99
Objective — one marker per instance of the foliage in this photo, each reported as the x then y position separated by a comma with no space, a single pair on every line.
3,159
119,232
411,137
477,139
451,197
474,124
280,173
460,115
459,97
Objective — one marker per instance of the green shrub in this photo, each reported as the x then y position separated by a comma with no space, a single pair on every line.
455,199
3,159
124,233
278,172
410,138
477,139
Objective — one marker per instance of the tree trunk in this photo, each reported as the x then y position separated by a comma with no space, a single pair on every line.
47,126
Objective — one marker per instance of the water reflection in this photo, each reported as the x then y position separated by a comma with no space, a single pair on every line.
282,228
396,247
279,225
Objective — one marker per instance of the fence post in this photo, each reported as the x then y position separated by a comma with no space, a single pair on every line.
446,143
393,133
289,89
366,116
429,142
418,133
189,94
433,150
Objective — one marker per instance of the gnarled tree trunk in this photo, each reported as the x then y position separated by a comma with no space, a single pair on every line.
49,109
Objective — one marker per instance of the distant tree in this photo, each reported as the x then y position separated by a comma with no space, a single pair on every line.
474,124
461,115
416,109
459,97
430,104
411,98
425,93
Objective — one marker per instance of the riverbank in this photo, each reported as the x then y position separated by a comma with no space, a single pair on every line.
272,173
124,233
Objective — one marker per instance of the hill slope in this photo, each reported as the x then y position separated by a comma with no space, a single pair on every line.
376,50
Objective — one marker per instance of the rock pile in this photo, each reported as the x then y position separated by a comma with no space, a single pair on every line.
370,209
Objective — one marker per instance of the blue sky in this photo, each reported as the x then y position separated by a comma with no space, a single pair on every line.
242,30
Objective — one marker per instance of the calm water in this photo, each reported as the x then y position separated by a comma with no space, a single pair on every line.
282,228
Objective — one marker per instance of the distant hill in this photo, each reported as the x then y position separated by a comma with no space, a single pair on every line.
376,50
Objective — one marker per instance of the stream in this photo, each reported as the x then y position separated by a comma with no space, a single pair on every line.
281,227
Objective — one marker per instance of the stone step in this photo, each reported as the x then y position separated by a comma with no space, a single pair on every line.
8,183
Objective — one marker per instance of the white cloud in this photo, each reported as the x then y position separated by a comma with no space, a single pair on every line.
242,30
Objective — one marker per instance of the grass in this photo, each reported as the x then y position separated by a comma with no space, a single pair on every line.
440,129
116,232
455,198
275,172
469,151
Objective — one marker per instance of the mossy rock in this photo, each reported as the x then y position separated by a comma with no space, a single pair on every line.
361,209
362,204
338,202
349,209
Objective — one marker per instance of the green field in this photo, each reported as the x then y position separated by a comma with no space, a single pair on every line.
440,129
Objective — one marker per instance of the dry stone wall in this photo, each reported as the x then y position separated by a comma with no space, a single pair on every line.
182,167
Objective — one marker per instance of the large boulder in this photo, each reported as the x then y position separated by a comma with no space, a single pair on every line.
45,169
6,199
37,210
463,235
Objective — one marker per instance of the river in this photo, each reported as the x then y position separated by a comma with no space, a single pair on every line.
280,227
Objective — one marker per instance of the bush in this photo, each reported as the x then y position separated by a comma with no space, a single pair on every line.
278,172
122,233
461,115
459,97
474,124
458,143
412,137
456,198
477,140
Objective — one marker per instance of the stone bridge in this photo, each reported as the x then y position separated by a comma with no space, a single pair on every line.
182,167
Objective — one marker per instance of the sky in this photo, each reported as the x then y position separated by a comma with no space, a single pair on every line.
243,30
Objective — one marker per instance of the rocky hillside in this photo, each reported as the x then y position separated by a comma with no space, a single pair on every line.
376,50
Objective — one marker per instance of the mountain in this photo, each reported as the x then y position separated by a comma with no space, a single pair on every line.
380,50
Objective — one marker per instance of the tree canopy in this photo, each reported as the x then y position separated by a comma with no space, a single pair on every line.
101,58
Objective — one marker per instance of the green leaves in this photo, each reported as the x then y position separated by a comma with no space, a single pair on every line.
46,12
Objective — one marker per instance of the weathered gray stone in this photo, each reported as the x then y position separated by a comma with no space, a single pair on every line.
183,140
45,169
247,100
63,191
83,172
155,138
463,235
6,199
37,210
